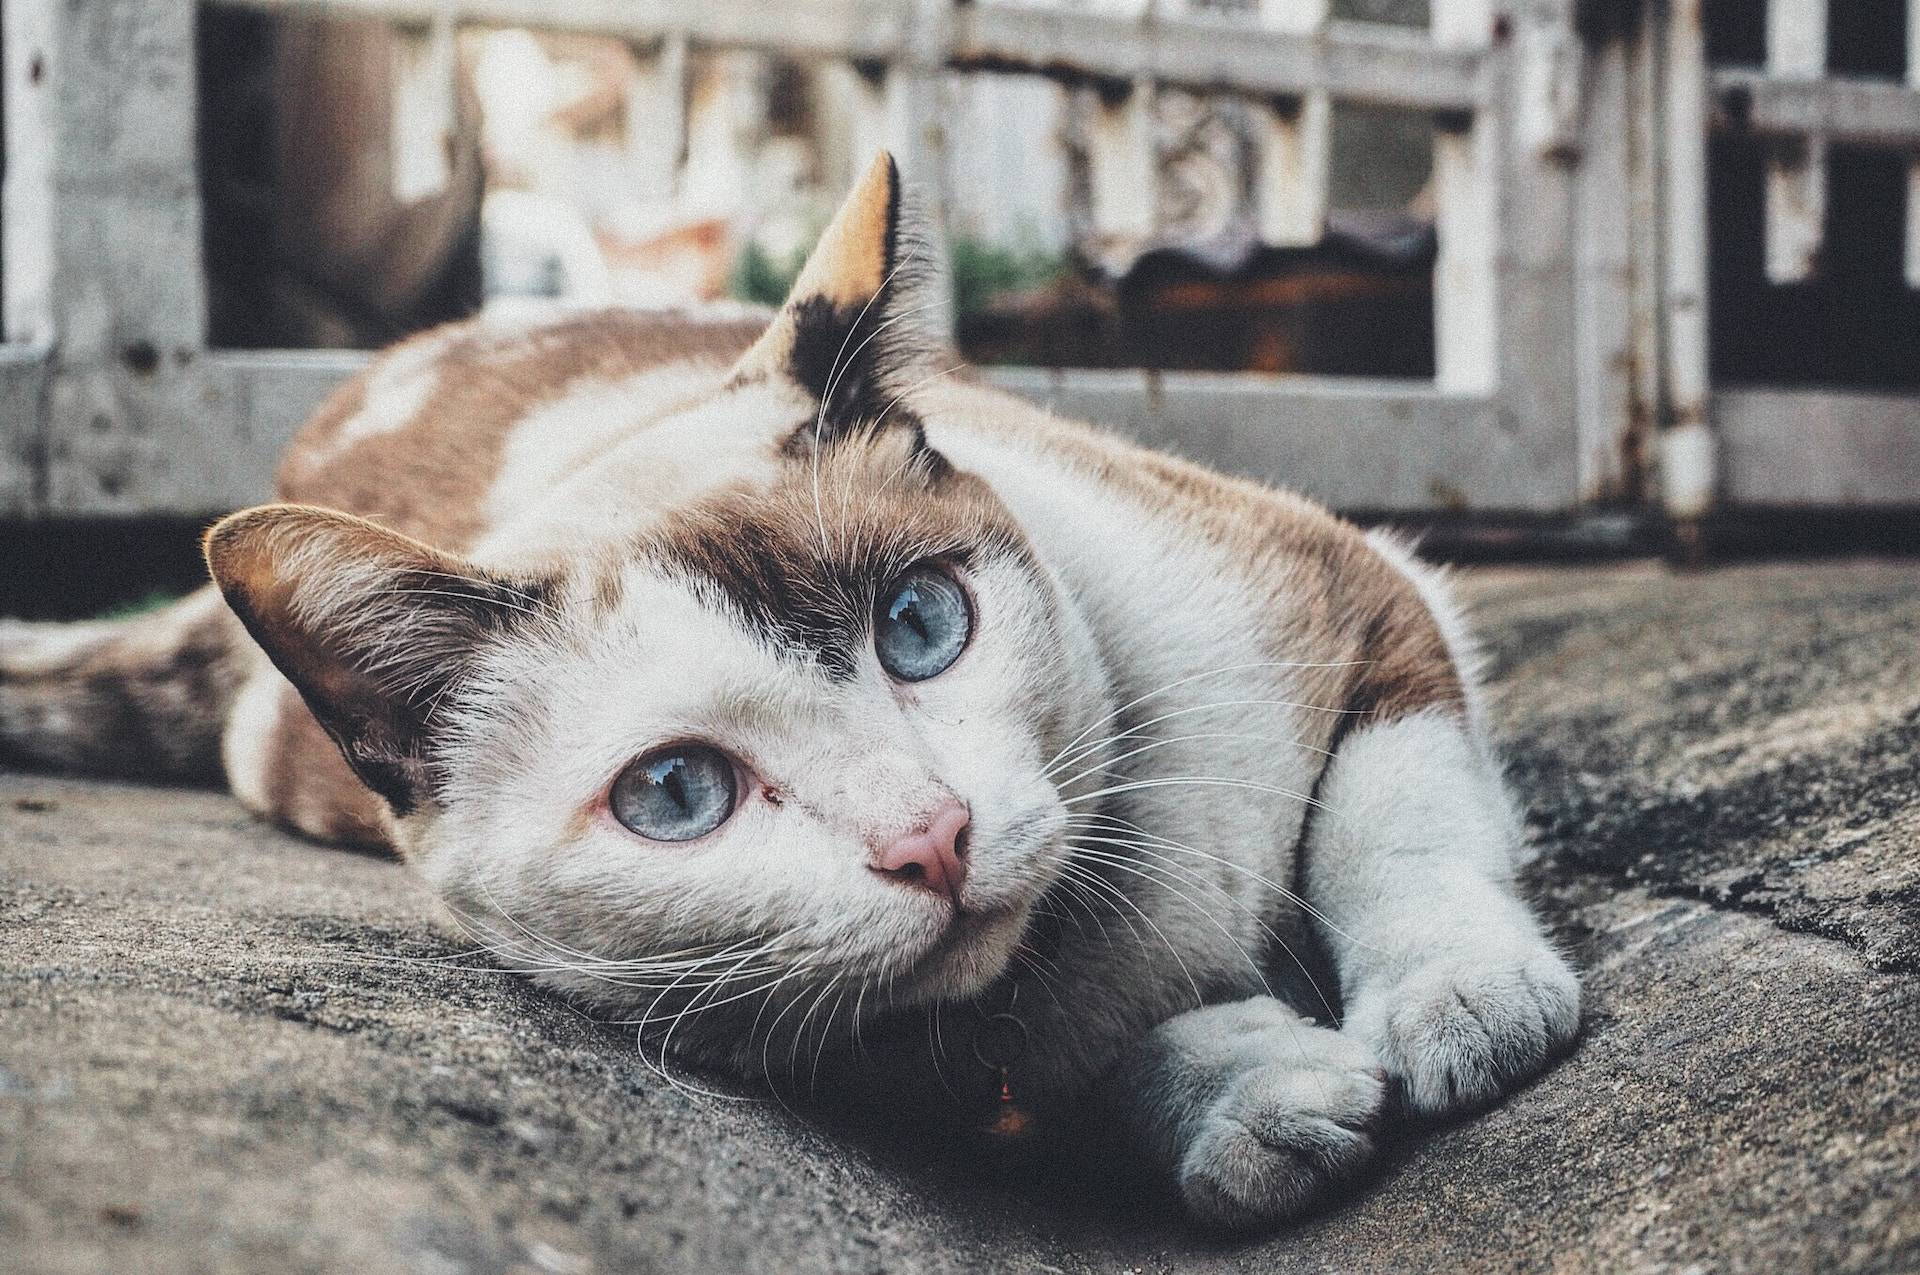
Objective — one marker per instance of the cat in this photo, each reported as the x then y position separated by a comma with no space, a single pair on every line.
830,718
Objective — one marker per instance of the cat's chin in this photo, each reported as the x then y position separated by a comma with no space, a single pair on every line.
969,955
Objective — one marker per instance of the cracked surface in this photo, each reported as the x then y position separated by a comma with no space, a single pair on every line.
211,1061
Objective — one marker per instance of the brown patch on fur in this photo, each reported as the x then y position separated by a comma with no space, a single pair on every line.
885,501
310,787
1334,599
428,476
846,270
370,626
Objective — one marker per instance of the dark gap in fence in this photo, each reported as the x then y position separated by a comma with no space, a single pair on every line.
1856,323
79,568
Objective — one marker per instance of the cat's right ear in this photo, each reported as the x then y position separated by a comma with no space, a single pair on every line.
371,627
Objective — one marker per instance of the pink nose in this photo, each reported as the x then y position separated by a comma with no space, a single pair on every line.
934,858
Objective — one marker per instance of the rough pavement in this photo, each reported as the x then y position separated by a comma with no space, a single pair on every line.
225,1050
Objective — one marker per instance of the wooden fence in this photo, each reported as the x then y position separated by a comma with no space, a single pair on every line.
1569,176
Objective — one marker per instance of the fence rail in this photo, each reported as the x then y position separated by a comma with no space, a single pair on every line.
1569,183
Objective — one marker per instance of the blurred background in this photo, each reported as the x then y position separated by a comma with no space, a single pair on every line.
1562,276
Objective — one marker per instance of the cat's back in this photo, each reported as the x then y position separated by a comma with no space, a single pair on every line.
421,439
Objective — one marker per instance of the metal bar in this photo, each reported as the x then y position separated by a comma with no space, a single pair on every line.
1840,108
1818,447
1357,61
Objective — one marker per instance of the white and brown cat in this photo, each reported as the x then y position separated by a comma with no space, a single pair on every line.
826,716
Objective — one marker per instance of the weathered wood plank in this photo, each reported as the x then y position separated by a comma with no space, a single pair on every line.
1840,108
1354,443
1818,447
103,247
1687,461
23,380
1467,190
1796,200
1357,61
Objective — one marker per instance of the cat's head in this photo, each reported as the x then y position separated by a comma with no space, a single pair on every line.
801,732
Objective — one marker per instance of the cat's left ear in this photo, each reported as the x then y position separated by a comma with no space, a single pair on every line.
865,317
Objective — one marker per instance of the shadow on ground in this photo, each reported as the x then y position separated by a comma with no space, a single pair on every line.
224,1050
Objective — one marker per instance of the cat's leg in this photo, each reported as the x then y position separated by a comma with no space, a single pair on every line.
1249,1109
1446,974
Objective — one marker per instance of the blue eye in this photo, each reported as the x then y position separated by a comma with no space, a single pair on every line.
676,794
921,625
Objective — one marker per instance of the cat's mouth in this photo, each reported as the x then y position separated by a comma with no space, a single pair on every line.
972,951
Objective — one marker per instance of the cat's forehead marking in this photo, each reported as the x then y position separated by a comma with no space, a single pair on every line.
802,562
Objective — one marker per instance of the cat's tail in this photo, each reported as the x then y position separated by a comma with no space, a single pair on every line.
140,698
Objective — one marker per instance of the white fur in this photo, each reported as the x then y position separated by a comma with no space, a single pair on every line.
1446,973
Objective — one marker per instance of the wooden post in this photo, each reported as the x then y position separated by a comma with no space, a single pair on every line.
1293,141
1796,169
1466,188
425,97
1603,247
1124,165
1687,451
103,257
656,119
1913,168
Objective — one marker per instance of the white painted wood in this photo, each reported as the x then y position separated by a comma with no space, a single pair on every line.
726,116
1913,168
1603,283
1797,38
1466,167
1292,140
1821,448
103,249
425,95
1124,168
23,378
1295,15
1466,164
1796,181
1356,443
1552,73
1840,108
1292,167
1687,469
656,117
1645,192
1796,209
1352,61
1461,24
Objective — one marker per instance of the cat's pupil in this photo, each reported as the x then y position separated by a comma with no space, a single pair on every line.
924,625
675,795
907,611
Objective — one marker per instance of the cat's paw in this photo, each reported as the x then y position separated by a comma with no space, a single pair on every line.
1459,1033
1284,1130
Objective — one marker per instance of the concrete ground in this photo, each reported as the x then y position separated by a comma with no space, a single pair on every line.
209,1060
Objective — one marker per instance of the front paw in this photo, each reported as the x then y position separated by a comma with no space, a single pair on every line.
1279,1135
1459,1032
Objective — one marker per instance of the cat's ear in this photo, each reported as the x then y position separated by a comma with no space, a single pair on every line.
864,317
372,628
